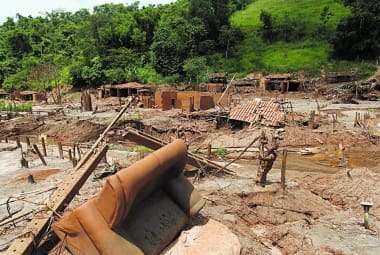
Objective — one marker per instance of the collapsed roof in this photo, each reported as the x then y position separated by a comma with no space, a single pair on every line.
267,113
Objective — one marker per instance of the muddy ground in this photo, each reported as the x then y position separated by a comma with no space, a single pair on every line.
319,212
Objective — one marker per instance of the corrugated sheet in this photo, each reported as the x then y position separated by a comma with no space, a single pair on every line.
266,112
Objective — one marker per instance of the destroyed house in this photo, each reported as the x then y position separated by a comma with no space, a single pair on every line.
188,100
246,85
3,94
210,87
266,113
29,95
281,82
338,77
218,77
120,90
146,97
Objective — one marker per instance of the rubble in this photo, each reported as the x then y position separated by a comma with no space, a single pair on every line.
328,152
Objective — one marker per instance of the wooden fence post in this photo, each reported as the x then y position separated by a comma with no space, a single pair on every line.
43,146
60,149
283,168
39,154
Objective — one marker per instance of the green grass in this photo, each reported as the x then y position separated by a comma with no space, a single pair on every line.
10,107
307,56
292,57
307,10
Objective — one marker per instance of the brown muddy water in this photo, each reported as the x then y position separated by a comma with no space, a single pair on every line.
330,161
324,162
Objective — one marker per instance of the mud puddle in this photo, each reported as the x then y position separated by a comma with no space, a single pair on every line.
324,162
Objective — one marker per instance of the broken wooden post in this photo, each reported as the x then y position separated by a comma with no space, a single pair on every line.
73,160
79,154
70,155
333,126
31,179
312,119
60,150
209,151
74,145
18,142
283,168
335,118
86,101
39,154
28,142
43,146
24,162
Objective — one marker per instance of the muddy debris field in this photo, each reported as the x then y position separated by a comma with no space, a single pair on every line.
319,153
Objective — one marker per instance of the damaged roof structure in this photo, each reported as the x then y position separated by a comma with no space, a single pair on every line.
267,113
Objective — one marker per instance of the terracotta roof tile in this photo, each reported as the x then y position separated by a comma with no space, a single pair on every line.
268,113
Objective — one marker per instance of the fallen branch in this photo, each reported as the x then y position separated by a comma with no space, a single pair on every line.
11,214
24,194
15,217
253,205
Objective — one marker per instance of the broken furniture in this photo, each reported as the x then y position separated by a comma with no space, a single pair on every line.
140,210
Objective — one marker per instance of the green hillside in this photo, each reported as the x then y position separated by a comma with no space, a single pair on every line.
306,54
307,10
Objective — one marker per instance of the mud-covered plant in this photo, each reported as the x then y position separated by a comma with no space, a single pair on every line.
221,152
142,150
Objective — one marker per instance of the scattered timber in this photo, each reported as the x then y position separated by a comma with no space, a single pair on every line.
153,143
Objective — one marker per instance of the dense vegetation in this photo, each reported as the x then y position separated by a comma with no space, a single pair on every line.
293,35
116,43
183,41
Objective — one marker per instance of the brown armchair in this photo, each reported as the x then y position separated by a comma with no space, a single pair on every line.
139,210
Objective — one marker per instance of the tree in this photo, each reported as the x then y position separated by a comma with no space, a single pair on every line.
171,44
44,76
93,74
358,36
196,69
228,37
267,29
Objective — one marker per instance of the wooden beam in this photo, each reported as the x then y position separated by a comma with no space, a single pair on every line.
35,229
62,197
154,143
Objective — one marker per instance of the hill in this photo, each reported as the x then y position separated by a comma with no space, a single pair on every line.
307,10
313,24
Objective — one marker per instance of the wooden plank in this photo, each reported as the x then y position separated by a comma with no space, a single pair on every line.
61,198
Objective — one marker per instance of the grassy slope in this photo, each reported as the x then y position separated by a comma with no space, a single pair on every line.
308,55
308,10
